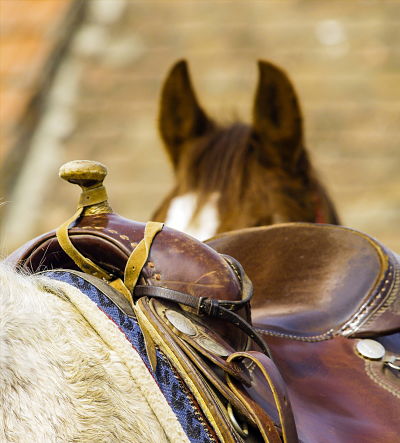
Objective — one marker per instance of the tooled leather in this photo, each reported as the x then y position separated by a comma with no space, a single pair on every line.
191,349
181,262
312,338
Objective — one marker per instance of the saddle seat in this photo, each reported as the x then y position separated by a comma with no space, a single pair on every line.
316,281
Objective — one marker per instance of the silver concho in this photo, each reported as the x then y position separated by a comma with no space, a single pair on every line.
212,346
180,322
370,349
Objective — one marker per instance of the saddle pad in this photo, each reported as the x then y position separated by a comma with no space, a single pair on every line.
167,394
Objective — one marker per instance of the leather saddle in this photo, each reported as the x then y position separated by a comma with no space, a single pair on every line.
299,363
327,302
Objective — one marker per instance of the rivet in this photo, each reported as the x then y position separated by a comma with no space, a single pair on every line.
370,349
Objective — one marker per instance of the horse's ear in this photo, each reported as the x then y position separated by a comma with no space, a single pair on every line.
277,118
181,118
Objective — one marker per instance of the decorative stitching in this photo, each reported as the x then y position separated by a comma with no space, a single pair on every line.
381,383
313,338
395,306
361,318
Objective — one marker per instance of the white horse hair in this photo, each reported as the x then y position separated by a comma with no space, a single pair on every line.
59,381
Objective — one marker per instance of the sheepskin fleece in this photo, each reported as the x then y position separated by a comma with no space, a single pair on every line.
60,382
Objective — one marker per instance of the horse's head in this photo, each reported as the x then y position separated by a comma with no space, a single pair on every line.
235,176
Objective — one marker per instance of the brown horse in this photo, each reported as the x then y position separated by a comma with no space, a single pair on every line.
236,176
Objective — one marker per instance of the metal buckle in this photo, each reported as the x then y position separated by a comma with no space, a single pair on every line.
391,363
243,432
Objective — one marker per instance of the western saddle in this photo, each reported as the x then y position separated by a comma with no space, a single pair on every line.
313,355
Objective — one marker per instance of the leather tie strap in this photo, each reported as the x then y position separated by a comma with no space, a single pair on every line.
277,385
140,254
204,306
89,197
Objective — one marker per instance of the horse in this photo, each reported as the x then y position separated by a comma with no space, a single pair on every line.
236,176
60,378
158,316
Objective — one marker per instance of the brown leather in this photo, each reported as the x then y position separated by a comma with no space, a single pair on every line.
204,395
313,286
211,389
333,398
207,308
176,261
263,368
315,281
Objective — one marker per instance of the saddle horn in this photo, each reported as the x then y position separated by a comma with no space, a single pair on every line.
89,175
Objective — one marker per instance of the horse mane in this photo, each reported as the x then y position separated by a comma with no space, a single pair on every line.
224,148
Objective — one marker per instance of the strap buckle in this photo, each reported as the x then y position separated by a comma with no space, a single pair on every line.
208,306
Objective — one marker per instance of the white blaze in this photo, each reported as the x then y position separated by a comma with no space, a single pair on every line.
180,214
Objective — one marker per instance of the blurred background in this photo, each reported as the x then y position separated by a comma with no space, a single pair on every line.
81,80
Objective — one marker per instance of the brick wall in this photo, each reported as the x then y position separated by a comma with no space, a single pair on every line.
33,35
342,56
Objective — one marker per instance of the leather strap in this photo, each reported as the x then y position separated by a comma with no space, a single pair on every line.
204,306
140,254
278,388
92,196
88,197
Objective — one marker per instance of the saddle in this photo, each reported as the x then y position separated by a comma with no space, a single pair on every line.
312,355
327,302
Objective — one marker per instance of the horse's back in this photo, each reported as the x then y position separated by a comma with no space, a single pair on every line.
59,380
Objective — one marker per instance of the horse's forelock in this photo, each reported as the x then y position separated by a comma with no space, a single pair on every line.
214,164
